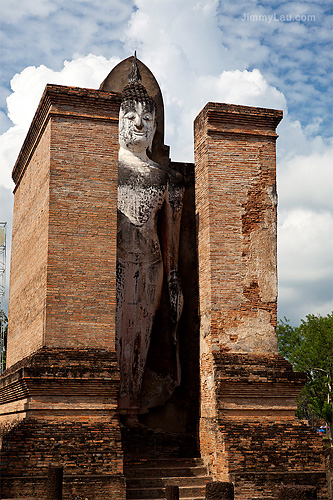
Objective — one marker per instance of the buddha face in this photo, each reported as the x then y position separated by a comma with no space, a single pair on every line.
136,126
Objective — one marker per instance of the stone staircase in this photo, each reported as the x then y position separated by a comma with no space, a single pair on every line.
146,479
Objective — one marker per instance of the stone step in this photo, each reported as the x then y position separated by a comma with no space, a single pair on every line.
159,493
166,472
163,498
163,462
158,482
145,443
146,479
179,467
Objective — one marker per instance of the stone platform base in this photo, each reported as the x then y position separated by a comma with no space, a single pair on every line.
266,485
90,487
88,452
254,438
59,408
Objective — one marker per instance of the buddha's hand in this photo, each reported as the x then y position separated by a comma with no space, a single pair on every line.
176,296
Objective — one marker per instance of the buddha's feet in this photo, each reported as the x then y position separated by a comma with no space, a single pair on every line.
132,422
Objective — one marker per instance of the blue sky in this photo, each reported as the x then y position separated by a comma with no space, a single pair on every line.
270,54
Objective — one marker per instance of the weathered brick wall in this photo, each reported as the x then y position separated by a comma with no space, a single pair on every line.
59,393
265,443
90,453
68,383
80,302
29,255
266,486
59,407
329,471
64,243
259,443
236,224
236,211
248,430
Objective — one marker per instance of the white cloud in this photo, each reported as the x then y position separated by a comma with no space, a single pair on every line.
305,248
305,253
294,139
5,122
305,181
28,87
10,143
12,13
248,88
240,87
199,51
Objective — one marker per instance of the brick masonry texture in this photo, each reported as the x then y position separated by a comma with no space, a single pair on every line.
256,415
62,290
59,407
236,215
253,438
329,470
66,382
88,451
29,256
59,392
248,431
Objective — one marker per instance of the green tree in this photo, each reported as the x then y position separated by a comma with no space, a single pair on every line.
309,348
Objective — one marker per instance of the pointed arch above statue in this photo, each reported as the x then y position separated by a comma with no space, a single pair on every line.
117,79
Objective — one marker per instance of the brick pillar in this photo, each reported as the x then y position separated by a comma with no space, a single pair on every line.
62,290
236,226
248,391
60,386
295,492
172,492
54,483
236,213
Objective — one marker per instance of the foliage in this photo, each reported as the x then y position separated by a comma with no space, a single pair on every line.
309,348
3,340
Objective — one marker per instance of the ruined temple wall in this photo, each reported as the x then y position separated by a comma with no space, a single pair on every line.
59,392
60,409
236,226
63,281
236,215
80,303
29,255
248,430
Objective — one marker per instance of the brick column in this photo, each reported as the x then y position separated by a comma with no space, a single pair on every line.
235,191
61,382
248,431
62,290
236,214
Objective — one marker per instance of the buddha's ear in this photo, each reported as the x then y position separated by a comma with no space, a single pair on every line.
150,146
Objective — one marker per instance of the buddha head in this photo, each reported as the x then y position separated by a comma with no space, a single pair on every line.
137,116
